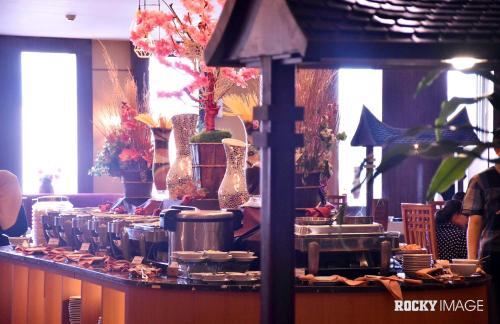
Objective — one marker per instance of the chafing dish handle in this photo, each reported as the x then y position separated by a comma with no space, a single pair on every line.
168,219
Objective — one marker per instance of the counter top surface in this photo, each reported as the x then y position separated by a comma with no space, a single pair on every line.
117,278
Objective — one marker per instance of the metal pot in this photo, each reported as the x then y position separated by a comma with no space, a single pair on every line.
198,230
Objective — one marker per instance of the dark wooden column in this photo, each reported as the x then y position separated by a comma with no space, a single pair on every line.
10,107
276,140
496,111
409,181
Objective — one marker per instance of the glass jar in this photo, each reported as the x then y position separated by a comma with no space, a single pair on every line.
42,206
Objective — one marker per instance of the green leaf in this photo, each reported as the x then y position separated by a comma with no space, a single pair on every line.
440,149
429,79
391,158
449,171
449,107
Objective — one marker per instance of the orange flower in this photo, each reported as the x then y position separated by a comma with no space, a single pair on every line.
129,155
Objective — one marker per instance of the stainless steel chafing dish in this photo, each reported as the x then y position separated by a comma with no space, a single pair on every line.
63,225
48,225
81,233
148,240
350,249
331,238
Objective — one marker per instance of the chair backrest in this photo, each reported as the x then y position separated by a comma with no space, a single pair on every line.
380,211
437,205
420,226
337,200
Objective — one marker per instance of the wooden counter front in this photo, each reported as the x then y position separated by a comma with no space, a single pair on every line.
33,290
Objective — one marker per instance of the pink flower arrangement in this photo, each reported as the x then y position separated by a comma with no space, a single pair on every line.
127,147
187,37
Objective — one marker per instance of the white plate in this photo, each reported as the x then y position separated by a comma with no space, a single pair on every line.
184,259
216,280
245,259
241,254
216,254
219,259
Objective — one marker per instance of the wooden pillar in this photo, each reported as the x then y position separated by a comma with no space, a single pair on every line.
277,141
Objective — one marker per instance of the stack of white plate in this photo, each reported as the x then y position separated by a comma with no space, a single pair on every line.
75,308
414,262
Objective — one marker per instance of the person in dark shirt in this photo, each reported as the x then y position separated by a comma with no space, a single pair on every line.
482,206
12,218
451,231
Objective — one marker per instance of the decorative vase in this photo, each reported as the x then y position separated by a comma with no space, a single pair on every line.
137,184
209,166
233,190
307,189
161,164
180,176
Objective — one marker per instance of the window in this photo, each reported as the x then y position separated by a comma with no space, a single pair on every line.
162,78
357,87
49,121
480,114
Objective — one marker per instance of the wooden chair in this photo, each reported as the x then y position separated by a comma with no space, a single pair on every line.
380,211
420,226
336,200
437,205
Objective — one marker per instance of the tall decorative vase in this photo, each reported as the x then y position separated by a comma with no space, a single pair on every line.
180,176
161,164
233,190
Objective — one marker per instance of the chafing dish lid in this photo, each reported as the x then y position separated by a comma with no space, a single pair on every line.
203,215
339,229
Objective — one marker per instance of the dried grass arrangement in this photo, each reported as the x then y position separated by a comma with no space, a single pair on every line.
316,92
127,146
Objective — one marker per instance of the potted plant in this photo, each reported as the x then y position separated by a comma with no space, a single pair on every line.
455,155
187,37
127,151
316,93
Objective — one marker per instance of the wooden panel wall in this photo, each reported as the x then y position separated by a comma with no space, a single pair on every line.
409,181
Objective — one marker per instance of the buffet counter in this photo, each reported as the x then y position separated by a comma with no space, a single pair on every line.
34,289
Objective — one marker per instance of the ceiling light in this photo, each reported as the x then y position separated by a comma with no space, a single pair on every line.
463,63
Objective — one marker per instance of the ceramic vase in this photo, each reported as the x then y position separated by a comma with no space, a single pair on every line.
137,184
233,190
209,166
180,176
161,164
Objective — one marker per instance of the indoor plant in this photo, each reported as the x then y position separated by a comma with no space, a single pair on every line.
317,94
127,151
455,156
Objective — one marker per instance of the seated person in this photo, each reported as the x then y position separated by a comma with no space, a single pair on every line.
459,196
12,217
451,231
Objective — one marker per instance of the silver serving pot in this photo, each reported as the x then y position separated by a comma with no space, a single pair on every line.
198,230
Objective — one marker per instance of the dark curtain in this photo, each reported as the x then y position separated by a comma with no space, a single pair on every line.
409,181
